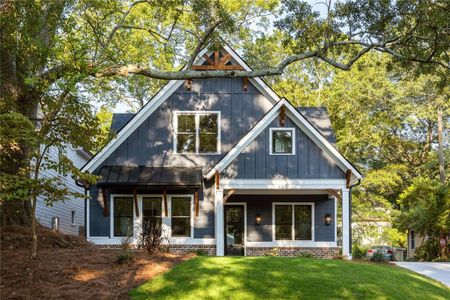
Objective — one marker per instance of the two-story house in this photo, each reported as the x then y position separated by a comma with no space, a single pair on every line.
227,167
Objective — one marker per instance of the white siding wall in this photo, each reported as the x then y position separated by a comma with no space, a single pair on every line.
63,210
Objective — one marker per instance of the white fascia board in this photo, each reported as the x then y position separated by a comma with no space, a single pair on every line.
137,120
282,184
319,139
246,140
132,125
257,82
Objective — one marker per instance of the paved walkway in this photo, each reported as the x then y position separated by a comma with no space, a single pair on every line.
435,270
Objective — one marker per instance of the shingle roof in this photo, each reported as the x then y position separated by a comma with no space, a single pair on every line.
317,116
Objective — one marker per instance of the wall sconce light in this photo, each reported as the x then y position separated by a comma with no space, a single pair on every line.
327,219
258,219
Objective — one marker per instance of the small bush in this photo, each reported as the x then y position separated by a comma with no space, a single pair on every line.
305,255
359,252
124,257
273,252
200,253
377,258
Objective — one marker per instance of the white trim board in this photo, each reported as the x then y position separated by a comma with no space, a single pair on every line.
282,184
302,123
151,106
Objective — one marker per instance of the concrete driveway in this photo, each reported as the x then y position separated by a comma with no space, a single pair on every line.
435,270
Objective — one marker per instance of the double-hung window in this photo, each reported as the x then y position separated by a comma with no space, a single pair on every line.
293,221
151,213
197,132
123,216
282,141
181,216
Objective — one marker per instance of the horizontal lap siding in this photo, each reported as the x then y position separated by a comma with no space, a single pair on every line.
309,161
262,204
63,209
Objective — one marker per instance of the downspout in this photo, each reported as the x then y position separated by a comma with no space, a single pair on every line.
350,212
85,186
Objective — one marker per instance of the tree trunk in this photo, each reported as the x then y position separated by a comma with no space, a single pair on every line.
34,240
441,146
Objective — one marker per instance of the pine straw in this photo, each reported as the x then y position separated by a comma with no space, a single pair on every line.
79,271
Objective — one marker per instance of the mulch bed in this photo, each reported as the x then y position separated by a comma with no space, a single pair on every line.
70,268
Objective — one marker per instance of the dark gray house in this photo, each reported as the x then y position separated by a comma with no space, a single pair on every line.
225,166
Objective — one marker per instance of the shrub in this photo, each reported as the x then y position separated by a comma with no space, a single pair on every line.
200,253
377,258
152,238
429,251
358,252
305,255
124,257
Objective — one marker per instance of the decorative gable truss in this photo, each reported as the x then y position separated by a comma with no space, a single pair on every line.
282,109
229,58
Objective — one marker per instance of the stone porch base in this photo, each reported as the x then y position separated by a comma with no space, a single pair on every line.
209,250
317,252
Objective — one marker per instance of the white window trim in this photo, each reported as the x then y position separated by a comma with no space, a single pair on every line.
73,217
197,131
245,222
271,130
191,221
293,240
111,216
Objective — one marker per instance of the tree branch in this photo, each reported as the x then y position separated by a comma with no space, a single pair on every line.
201,43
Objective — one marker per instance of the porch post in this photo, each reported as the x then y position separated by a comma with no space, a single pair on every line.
346,223
219,222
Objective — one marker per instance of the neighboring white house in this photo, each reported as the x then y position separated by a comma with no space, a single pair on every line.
70,212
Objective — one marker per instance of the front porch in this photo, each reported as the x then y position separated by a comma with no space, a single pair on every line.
281,217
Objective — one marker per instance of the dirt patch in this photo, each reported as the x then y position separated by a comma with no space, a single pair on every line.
68,267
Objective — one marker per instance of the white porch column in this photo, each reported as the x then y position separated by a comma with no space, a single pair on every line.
219,223
346,223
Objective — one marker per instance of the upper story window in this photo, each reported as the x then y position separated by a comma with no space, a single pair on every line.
282,141
197,132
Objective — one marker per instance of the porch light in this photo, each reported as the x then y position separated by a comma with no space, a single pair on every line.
258,219
327,219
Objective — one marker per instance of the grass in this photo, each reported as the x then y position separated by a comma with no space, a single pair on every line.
287,278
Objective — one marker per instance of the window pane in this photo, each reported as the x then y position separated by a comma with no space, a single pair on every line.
208,143
181,206
151,212
208,123
281,141
123,216
303,222
186,143
283,222
181,226
186,123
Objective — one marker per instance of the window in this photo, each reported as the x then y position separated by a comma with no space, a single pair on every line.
181,216
282,141
197,132
151,212
123,216
293,221
412,238
73,217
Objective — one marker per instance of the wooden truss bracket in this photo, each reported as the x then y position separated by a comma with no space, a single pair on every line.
196,203
189,84
348,176
165,203
282,116
217,179
245,83
217,64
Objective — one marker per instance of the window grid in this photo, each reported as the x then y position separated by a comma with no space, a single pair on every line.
293,205
197,115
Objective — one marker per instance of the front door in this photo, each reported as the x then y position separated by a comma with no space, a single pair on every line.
234,230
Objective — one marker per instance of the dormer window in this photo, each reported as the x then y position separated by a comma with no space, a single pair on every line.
282,141
197,132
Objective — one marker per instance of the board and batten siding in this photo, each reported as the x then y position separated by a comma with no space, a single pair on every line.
262,204
309,161
63,209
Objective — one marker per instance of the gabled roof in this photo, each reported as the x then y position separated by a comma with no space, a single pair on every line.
159,98
312,132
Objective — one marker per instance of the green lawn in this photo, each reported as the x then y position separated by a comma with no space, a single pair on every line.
287,278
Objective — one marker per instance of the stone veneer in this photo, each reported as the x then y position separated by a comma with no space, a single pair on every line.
317,252
184,249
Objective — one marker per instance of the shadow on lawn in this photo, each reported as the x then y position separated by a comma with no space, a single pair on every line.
278,277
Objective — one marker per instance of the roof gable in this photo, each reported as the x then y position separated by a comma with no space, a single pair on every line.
152,105
312,132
